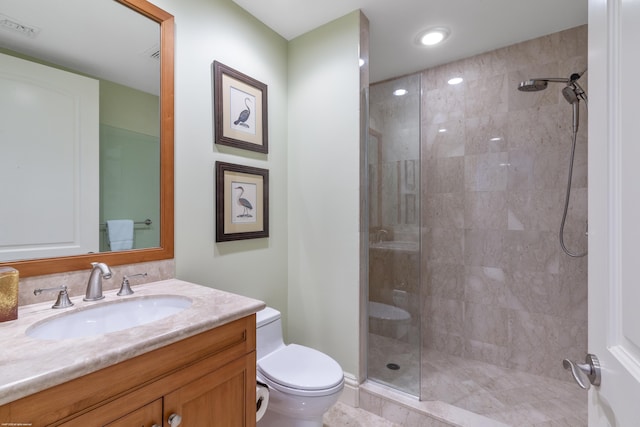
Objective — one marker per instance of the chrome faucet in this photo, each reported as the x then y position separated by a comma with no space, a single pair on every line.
379,235
94,287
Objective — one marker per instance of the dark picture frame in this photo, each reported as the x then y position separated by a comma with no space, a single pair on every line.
240,110
242,202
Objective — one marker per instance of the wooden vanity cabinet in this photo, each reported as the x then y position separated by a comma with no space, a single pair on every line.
213,399
208,380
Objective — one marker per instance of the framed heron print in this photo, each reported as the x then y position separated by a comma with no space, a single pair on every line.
240,110
242,202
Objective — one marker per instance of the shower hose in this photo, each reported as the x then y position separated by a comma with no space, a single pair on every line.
566,199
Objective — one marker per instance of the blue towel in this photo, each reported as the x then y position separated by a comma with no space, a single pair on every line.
120,234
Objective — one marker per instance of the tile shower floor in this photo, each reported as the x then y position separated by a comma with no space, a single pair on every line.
506,395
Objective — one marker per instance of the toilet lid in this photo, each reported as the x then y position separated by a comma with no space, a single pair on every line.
300,367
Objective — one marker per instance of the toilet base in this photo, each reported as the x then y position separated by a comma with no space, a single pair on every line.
288,410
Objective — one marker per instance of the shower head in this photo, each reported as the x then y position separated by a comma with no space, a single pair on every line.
537,84
533,85
570,94
572,91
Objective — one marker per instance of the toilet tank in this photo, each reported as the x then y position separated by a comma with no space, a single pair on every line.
268,331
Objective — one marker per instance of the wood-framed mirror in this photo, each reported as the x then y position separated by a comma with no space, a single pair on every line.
165,249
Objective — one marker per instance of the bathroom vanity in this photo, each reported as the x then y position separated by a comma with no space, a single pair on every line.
196,367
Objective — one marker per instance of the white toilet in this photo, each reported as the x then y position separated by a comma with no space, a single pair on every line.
303,383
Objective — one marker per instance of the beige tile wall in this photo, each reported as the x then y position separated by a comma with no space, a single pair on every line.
496,286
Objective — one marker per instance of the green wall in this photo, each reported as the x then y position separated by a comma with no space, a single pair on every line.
308,267
130,161
127,108
324,194
219,30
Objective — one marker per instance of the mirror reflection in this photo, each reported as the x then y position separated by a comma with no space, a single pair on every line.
79,128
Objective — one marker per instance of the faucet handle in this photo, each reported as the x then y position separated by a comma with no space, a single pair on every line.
63,300
125,288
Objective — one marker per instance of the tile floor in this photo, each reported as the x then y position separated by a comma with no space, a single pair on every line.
342,415
513,397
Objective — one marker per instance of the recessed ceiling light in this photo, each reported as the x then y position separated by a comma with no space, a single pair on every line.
443,130
432,36
400,92
496,138
455,81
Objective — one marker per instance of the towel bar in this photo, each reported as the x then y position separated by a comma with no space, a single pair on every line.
145,222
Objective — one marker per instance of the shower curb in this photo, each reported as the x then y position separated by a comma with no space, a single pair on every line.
408,411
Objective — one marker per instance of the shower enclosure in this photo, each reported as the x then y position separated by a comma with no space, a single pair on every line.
472,301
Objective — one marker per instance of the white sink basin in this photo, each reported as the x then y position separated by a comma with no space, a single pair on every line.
108,317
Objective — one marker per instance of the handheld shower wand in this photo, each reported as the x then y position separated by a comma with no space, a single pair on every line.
573,92
569,93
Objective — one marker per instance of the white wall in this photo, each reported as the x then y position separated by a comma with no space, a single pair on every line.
324,189
208,30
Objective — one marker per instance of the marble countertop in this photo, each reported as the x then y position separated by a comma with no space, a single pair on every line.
29,365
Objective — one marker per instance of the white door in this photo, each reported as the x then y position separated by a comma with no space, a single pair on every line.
614,210
49,168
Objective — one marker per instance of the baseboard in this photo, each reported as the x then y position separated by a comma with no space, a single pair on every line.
351,392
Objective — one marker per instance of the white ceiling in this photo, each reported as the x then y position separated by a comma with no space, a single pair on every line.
476,25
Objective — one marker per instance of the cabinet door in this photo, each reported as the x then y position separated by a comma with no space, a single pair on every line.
147,416
223,398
